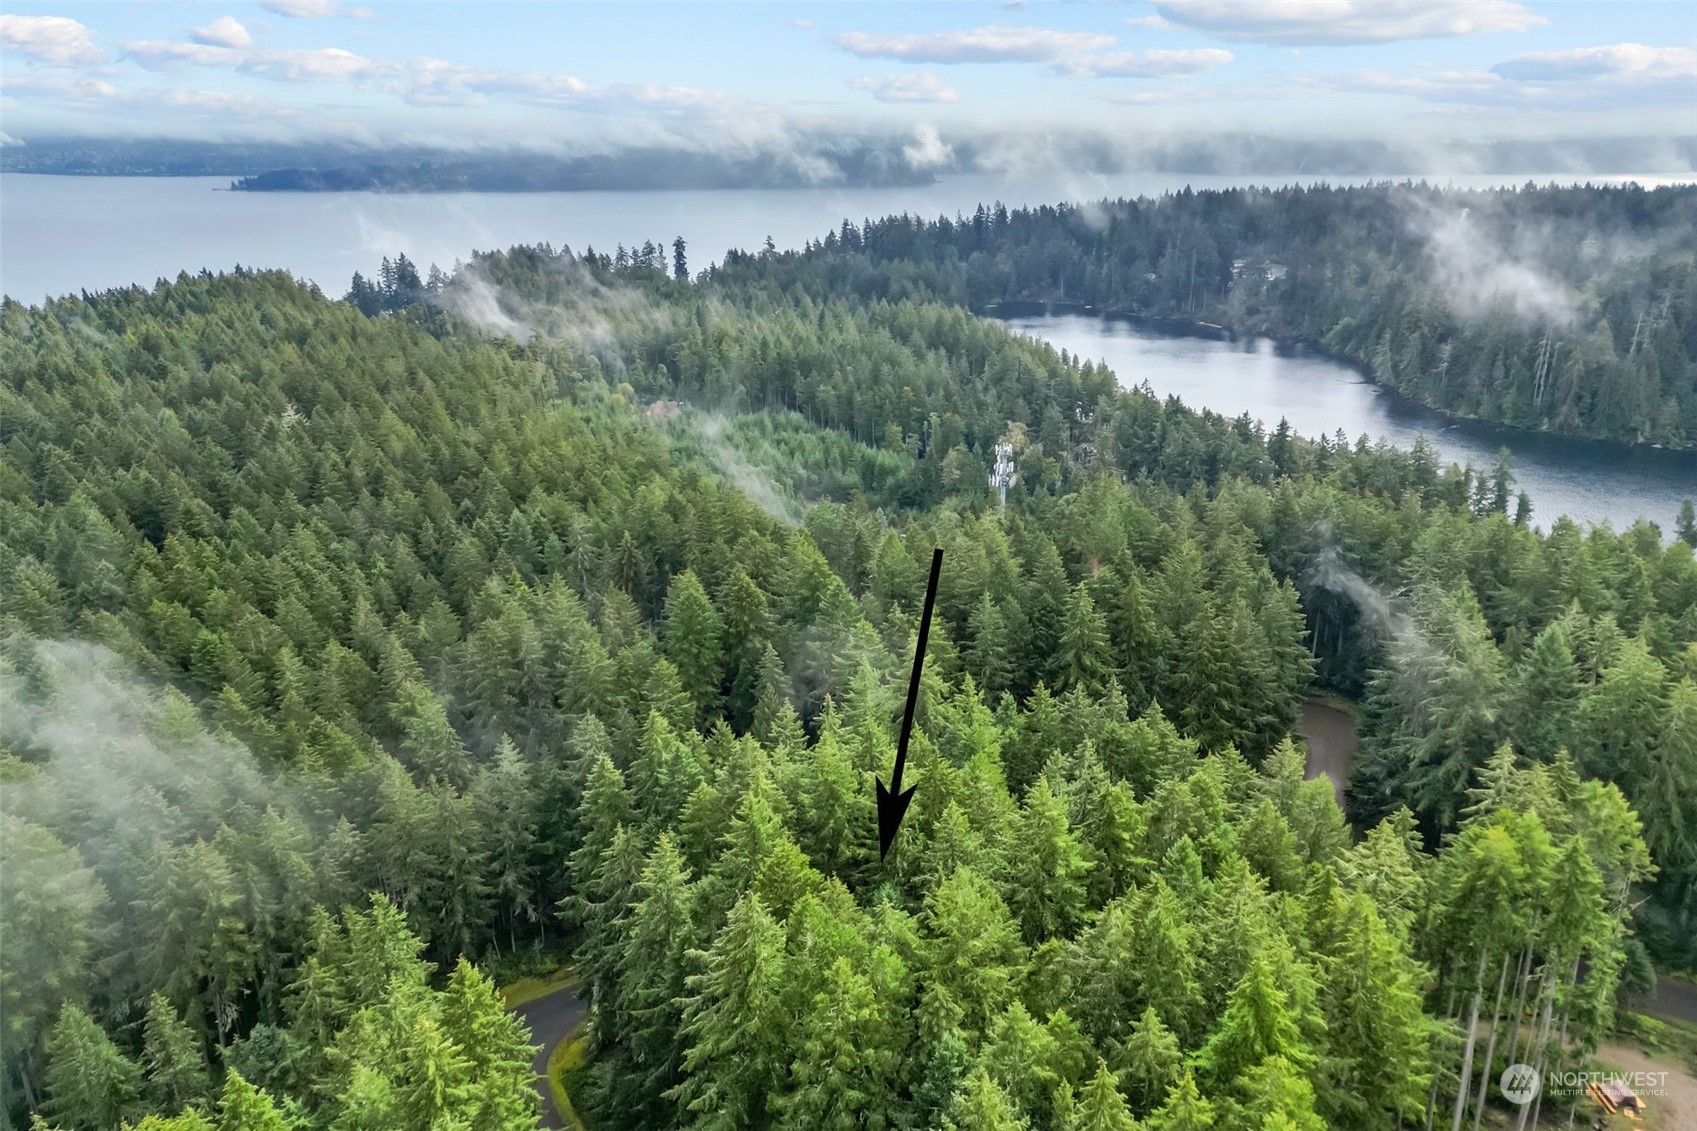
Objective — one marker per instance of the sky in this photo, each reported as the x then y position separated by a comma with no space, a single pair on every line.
593,74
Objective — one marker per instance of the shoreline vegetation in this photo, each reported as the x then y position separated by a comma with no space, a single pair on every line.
1566,310
1213,331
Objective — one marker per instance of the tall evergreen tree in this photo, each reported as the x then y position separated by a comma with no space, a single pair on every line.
1084,658
694,639
1046,889
735,1024
173,1060
91,1085
655,967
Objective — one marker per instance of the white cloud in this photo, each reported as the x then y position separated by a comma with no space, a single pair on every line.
216,103
1148,22
225,31
425,81
162,55
1438,86
104,98
928,150
918,86
318,65
1619,76
316,10
802,24
56,40
977,45
1626,60
1185,95
314,65
1335,22
436,82
60,88
681,101
1149,64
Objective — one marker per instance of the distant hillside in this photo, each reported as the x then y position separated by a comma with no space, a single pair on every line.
260,167
630,170
844,159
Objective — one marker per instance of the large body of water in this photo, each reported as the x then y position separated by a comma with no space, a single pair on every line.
1589,481
59,235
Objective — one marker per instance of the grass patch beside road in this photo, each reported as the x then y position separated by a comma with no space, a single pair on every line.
515,994
565,1067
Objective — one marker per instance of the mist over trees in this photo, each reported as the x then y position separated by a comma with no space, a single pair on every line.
1569,309
353,658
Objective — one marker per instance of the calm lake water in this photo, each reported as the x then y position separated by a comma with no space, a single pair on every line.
59,235
1588,481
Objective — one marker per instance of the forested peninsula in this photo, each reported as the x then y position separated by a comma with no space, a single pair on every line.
627,170
359,655
1564,309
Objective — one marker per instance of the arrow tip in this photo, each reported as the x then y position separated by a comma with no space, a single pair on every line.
892,807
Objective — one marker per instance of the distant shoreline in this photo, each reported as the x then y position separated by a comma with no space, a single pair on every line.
1180,327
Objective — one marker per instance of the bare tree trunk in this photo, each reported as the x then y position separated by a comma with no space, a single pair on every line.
1491,1045
1467,1055
1437,1074
1543,1049
1523,978
1561,1040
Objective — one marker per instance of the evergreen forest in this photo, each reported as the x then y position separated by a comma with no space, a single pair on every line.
1571,309
358,656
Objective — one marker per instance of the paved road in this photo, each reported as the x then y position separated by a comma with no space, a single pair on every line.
1331,741
551,1019
1673,998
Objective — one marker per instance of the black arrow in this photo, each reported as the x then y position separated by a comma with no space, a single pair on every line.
892,802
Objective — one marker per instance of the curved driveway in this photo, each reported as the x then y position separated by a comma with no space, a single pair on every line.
551,1019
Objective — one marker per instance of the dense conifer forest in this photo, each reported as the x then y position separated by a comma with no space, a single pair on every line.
1570,309
358,655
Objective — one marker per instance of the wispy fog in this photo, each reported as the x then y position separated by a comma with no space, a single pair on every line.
1476,272
126,765
709,430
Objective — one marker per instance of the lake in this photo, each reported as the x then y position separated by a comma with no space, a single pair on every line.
59,235
1590,481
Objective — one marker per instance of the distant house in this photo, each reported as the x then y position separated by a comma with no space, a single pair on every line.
664,410
1268,270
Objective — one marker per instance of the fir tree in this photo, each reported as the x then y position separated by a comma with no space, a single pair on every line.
1183,1110
1047,884
173,1059
244,1107
694,638
735,1024
1084,658
1148,1062
1101,1107
91,1085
